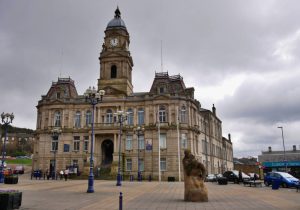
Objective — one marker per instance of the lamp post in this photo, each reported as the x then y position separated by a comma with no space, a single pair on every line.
139,130
121,117
6,120
56,131
93,97
284,158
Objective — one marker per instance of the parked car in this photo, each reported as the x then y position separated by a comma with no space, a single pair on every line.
4,164
19,170
219,176
211,178
285,179
7,172
233,176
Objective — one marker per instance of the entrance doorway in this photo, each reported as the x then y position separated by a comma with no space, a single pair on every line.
107,147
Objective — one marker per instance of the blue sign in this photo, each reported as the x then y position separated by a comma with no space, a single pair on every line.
281,164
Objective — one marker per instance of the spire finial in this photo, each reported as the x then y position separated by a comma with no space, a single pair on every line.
117,13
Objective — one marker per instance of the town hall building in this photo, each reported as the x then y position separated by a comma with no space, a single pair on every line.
168,117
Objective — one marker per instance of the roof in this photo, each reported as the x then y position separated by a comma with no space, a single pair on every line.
117,21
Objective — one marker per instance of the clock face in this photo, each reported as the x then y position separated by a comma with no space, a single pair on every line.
114,42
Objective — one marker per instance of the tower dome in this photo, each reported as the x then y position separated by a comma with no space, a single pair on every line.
117,21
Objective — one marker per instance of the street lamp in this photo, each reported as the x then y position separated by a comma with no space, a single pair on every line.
6,120
121,117
139,130
93,97
56,131
284,159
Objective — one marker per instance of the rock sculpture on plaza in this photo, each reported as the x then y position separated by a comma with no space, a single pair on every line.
194,175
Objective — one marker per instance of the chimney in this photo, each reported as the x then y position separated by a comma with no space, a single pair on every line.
270,149
294,148
229,137
214,110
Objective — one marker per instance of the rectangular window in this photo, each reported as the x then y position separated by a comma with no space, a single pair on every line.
77,119
76,143
128,164
66,147
163,164
162,116
88,118
140,116
129,142
163,141
184,143
161,90
57,119
141,164
203,147
141,142
109,117
54,146
86,143
130,117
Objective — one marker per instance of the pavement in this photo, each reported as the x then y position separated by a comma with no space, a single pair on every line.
71,195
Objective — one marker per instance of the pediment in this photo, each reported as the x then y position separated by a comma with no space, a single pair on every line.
55,101
161,97
113,91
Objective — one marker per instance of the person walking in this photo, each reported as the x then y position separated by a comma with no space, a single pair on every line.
66,174
61,174
240,176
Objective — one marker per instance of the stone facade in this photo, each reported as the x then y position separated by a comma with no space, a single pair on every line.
169,108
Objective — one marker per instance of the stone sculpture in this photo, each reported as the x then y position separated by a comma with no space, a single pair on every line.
194,175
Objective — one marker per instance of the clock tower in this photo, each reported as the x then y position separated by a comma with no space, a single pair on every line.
115,59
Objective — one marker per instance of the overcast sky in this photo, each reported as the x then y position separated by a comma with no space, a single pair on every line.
242,56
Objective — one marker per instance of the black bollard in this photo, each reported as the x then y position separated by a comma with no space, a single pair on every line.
121,201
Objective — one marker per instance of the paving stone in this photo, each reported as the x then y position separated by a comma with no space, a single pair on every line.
71,195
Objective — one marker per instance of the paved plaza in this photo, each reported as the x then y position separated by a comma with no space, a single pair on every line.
71,195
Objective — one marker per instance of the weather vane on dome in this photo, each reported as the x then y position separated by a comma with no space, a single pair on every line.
117,13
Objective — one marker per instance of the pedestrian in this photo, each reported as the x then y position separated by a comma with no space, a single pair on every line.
47,174
240,176
255,177
61,174
66,174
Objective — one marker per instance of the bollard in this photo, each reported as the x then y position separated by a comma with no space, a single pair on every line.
121,201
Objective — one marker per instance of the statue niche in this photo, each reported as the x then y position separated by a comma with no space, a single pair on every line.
194,175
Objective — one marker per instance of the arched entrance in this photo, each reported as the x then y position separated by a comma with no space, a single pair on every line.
107,147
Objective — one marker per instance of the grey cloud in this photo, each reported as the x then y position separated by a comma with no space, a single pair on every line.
204,41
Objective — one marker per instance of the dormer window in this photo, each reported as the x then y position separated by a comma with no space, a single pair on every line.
113,72
58,95
161,90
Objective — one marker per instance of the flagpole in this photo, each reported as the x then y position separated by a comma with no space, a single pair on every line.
178,144
159,173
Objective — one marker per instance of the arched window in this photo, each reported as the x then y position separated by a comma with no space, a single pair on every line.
57,119
77,119
109,116
130,116
113,71
162,114
141,116
183,114
88,118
